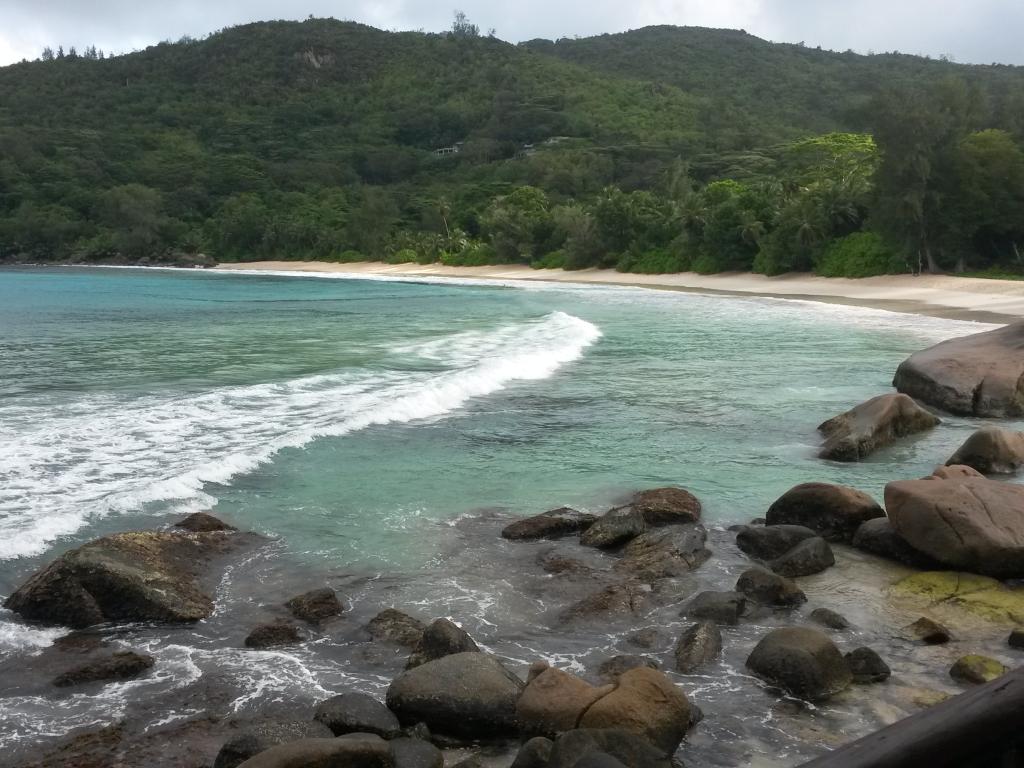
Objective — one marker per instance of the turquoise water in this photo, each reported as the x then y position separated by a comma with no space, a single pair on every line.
381,432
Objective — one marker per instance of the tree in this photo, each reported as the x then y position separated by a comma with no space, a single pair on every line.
518,223
463,28
47,54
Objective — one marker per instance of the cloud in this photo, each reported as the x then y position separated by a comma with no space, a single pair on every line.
981,31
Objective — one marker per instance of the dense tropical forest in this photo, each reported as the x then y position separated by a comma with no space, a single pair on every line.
660,150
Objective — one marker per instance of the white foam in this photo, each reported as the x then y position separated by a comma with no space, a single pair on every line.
62,466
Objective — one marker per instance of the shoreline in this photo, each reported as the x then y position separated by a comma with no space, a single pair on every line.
943,296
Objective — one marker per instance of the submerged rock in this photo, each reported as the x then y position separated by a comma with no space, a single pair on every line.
829,618
835,512
991,451
719,607
563,521
441,638
763,586
646,638
316,606
872,425
625,599
697,646
867,666
975,670
771,541
259,738
357,713
802,661
393,626
805,559
614,667
979,375
929,631
123,665
977,595
625,746
277,633
201,522
665,553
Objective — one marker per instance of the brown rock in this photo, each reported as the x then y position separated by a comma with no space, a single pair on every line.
201,522
625,599
697,646
665,553
554,701
393,626
123,665
763,586
976,670
353,751
614,528
613,668
549,525
991,451
278,633
664,506
872,425
441,638
955,472
315,606
930,632
835,512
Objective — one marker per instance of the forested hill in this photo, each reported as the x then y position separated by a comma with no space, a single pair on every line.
655,150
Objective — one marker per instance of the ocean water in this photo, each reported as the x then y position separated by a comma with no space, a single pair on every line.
380,433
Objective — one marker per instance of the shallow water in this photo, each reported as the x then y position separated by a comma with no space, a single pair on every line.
382,432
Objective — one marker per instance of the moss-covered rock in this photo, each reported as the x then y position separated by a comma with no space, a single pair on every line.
975,670
978,595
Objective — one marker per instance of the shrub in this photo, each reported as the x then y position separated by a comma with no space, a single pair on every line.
655,261
861,254
403,256
553,260
474,254
349,257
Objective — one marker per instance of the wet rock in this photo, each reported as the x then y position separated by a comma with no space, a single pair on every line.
805,559
991,451
667,506
135,576
554,701
867,666
763,586
612,668
801,661
415,753
276,633
614,528
973,525
647,703
353,751
929,632
559,564
979,375
259,738
646,638
201,522
357,713
829,618
124,665
549,525
719,607
441,638
465,695
627,747
955,472
1016,639
976,670
625,599
872,425
535,753
771,541
759,521
697,646
393,626
316,606
599,760
835,512
877,537
977,595
665,553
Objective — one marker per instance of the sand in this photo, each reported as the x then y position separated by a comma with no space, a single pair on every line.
963,298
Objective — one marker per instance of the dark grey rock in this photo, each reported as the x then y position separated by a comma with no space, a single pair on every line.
123,665
805,559
259,738
393,626
665,553
835,512
929,632
315,606
829,618
549,525
804,662
867,666
534,754
572,746
276,633
697,646
615,666
360,750
201,522
763,586
614,528
771,541
357,713
877,537
441,638
415,753
1016,639
719,607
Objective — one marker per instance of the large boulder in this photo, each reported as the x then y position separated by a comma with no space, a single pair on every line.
647,703
697,646
665,553
991,451
614,528
553,701
122,665
393,626
872,425
357,713
973,525
441,638
572,747
979,375
665,506
802,661
465,695
415,753
261,737
719,607
835,512
549,525
354,751
878,537
767,542
805,559
126,577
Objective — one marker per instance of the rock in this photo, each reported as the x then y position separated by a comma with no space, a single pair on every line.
1016,639
805,559
535,753
929,632
647,703
612,668
277,633
720,607
801,661
771,541
991,451
627,747
441,638
971,525
393,626
549,525
978,375
353,751
877,537
415,753
872,425
645,638
599,760
867,666
465,695
559,564
614,528
554,701
357,713
200,522
259,738
835,512
767,588
627,598
127,577
665,553
977,595
829,618
666,506
123,665
976,670
316,606
697,646
955,472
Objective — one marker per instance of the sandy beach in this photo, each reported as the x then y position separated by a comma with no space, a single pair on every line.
962,298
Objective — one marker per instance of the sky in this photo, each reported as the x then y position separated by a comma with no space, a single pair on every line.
970,31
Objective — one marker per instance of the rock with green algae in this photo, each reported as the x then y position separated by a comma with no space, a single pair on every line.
975,670
980,596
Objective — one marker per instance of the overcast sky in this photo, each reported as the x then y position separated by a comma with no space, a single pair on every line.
979,31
